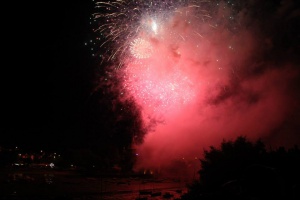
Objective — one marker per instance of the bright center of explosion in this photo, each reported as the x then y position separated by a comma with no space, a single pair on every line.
154,27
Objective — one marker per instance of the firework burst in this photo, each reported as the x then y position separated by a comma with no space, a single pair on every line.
122,22
151,42
197,66
141,48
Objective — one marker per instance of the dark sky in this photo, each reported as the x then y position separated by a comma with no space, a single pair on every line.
46,71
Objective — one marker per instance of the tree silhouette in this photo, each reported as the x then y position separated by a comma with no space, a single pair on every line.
242,169
112,123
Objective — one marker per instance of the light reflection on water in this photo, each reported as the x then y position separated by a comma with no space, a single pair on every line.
79,187
49,178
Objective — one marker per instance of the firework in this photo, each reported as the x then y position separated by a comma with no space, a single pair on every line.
197,66
122,22
141,48
152,40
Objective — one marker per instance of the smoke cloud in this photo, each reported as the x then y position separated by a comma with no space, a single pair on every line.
208,80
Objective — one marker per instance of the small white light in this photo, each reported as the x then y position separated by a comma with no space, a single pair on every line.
154,27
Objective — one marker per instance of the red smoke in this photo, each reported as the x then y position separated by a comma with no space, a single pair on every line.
206,82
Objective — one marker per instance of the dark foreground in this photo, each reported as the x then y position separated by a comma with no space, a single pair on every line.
47,184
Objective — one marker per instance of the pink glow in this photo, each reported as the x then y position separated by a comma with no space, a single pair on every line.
201,82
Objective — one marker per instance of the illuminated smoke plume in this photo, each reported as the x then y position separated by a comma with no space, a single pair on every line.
207,70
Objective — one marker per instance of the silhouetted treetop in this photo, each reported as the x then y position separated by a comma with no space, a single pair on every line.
242,169
228,162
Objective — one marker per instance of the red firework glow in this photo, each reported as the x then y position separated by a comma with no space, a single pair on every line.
205,79
163,75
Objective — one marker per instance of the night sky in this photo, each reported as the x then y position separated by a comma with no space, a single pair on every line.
49,74
46,73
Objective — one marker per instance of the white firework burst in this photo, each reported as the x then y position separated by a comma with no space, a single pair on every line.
141,48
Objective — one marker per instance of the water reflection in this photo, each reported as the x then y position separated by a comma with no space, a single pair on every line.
19,177
49,178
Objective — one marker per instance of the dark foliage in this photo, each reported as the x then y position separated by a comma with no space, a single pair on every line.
241,169
112,123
